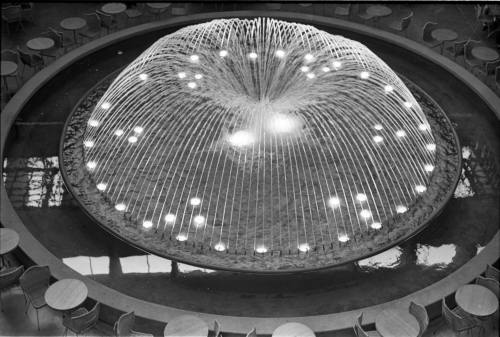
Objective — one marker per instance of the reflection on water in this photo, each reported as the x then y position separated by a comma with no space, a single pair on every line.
389,259
88,265
479,248
463,190
438,257
142,264
186,268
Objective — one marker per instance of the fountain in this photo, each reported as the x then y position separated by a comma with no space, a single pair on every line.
260,145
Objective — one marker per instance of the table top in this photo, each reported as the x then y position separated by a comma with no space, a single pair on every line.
476,300
444,34
158,5
66,294
397,323
9,239
114,8
485,54
186,325
293,329
40,43
378,10
73,23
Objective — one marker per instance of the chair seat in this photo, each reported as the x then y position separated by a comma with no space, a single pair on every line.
133,13
473,63
37,297
396,25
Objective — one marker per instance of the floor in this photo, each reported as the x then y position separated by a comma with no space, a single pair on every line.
459,17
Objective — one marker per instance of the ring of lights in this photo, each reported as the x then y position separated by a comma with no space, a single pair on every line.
216,254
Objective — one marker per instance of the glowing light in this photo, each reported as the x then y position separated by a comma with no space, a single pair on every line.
147,224
199,220
198,76
401,209
143,77
378,127
181,237
181,74
93,122
261,249
364,75
388,88
420,188
337,65
334,202
119,132
365,214
376,225
132,139
223,53
343,238
378,139
280,53
106,105
101,186
194,58
253,55
304,247
310,76
91,165
428,167
325,69
361,197
400,133
241,138
431,147
408,104
192,85
120,207
170,218
281,123
195,201
138,129
88,143
423,127
220,247
309,57
304,69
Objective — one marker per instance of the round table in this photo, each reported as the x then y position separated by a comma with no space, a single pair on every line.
66,294
158,5
378,10
113,8
8,68
186,325
397,323
73,24
484,54
40,43
476,300
443,35
9,239
293,329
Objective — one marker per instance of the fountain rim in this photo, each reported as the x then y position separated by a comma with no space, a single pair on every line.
119,302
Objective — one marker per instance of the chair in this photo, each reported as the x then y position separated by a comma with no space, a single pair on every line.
343,10
489,283
156,12
427,35
81,320
419,312
12,14
360,332
27,11
12,56
252,333
106,21
403,24
363,15
179,11
8,278
492,272
58,43
93,28
34,282
457,49
470,61
485,19
65,41
456,322
217,329
123,326
489,69
133,13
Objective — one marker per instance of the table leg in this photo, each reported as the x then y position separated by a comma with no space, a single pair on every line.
5,83
75,37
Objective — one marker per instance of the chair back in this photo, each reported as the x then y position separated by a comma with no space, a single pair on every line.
86,320
93,21
252,333
420,314
217,329
358,329
468,48
12,13
55,36
489,283
10,276
459,47
456,322
405,22
427,32
124,324
35,277
490,69
105,19
10,55
492,272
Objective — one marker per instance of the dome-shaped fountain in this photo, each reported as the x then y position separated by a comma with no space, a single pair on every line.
259,145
